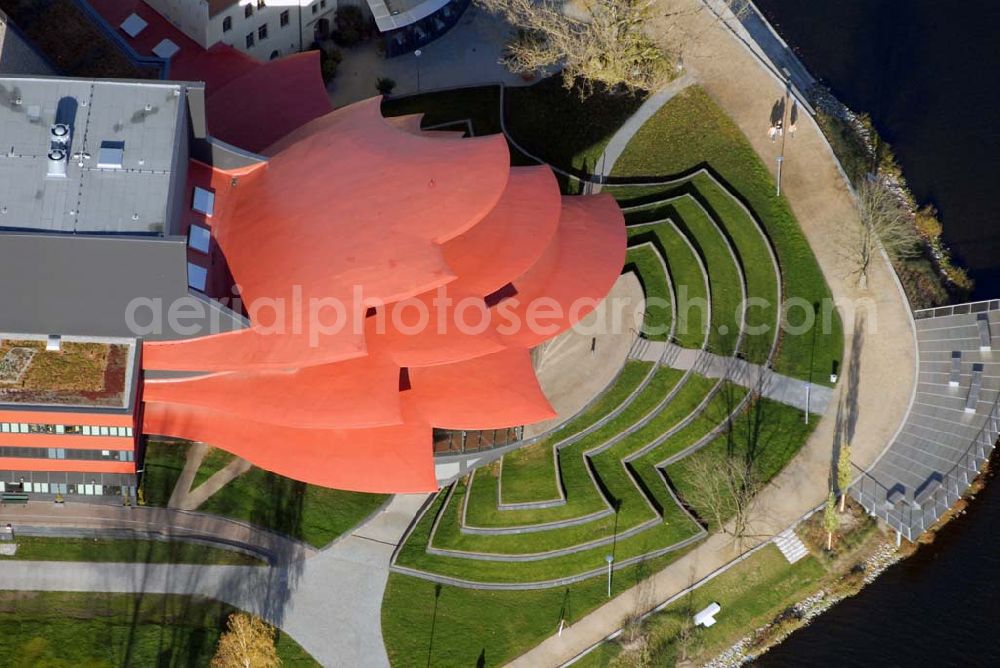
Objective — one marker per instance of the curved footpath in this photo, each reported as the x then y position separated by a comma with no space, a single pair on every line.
330,603
878,369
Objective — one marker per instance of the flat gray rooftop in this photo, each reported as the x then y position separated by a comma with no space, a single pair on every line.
146,119
948,434
83,285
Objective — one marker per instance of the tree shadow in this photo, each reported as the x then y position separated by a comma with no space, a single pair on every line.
854,378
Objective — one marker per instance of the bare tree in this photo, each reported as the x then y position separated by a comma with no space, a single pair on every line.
884,221
247,643
726,490
599,41
843,472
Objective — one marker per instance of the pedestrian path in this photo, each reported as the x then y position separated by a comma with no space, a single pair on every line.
801,394
620,139
328,601
162,523
880,359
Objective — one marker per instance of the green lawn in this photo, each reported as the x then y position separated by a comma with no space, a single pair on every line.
650,267
725,279
426,624
36,548
480,105
691,130
564,130
750,593
529,473
214,461
688,276
780,432
582,498
546,119
316,515
93,630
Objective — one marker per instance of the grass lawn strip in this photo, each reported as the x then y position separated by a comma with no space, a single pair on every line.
57,629
689,131
582,496
670,535
657,322
632,503
454,626
783,432
316,515
725,278
529,473
723,400
758,260
689,277
750,594
44,548
214,461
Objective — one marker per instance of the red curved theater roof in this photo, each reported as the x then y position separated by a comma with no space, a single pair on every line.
351,203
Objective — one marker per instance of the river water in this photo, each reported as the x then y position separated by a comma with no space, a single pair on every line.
928,72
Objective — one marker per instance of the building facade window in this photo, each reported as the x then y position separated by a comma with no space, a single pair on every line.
322,3
66,453
260,4
262,32
227,24
248,11
249,40
71,429
315,8
284,18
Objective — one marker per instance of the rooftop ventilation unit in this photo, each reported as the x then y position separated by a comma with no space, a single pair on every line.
57,163
59,135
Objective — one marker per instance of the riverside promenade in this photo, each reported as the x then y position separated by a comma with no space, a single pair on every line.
878,369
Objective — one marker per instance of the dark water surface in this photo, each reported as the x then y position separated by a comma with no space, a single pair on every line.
928,72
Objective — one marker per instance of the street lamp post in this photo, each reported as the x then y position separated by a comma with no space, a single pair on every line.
417,55
610,559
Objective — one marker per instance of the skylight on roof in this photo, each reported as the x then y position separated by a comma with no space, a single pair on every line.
204,201
111,155
133,25
166,49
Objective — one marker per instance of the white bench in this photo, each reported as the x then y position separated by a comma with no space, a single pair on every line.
706,617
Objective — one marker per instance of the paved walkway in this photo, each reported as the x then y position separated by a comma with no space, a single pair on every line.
157,522
576,366
620,139
879,355
467,55
330,603
792,391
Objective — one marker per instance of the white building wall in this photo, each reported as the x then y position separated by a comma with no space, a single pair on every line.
191,17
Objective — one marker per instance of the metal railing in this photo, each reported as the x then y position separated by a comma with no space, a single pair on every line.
958,309
911,512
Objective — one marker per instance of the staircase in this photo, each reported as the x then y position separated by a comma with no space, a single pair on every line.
790,545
